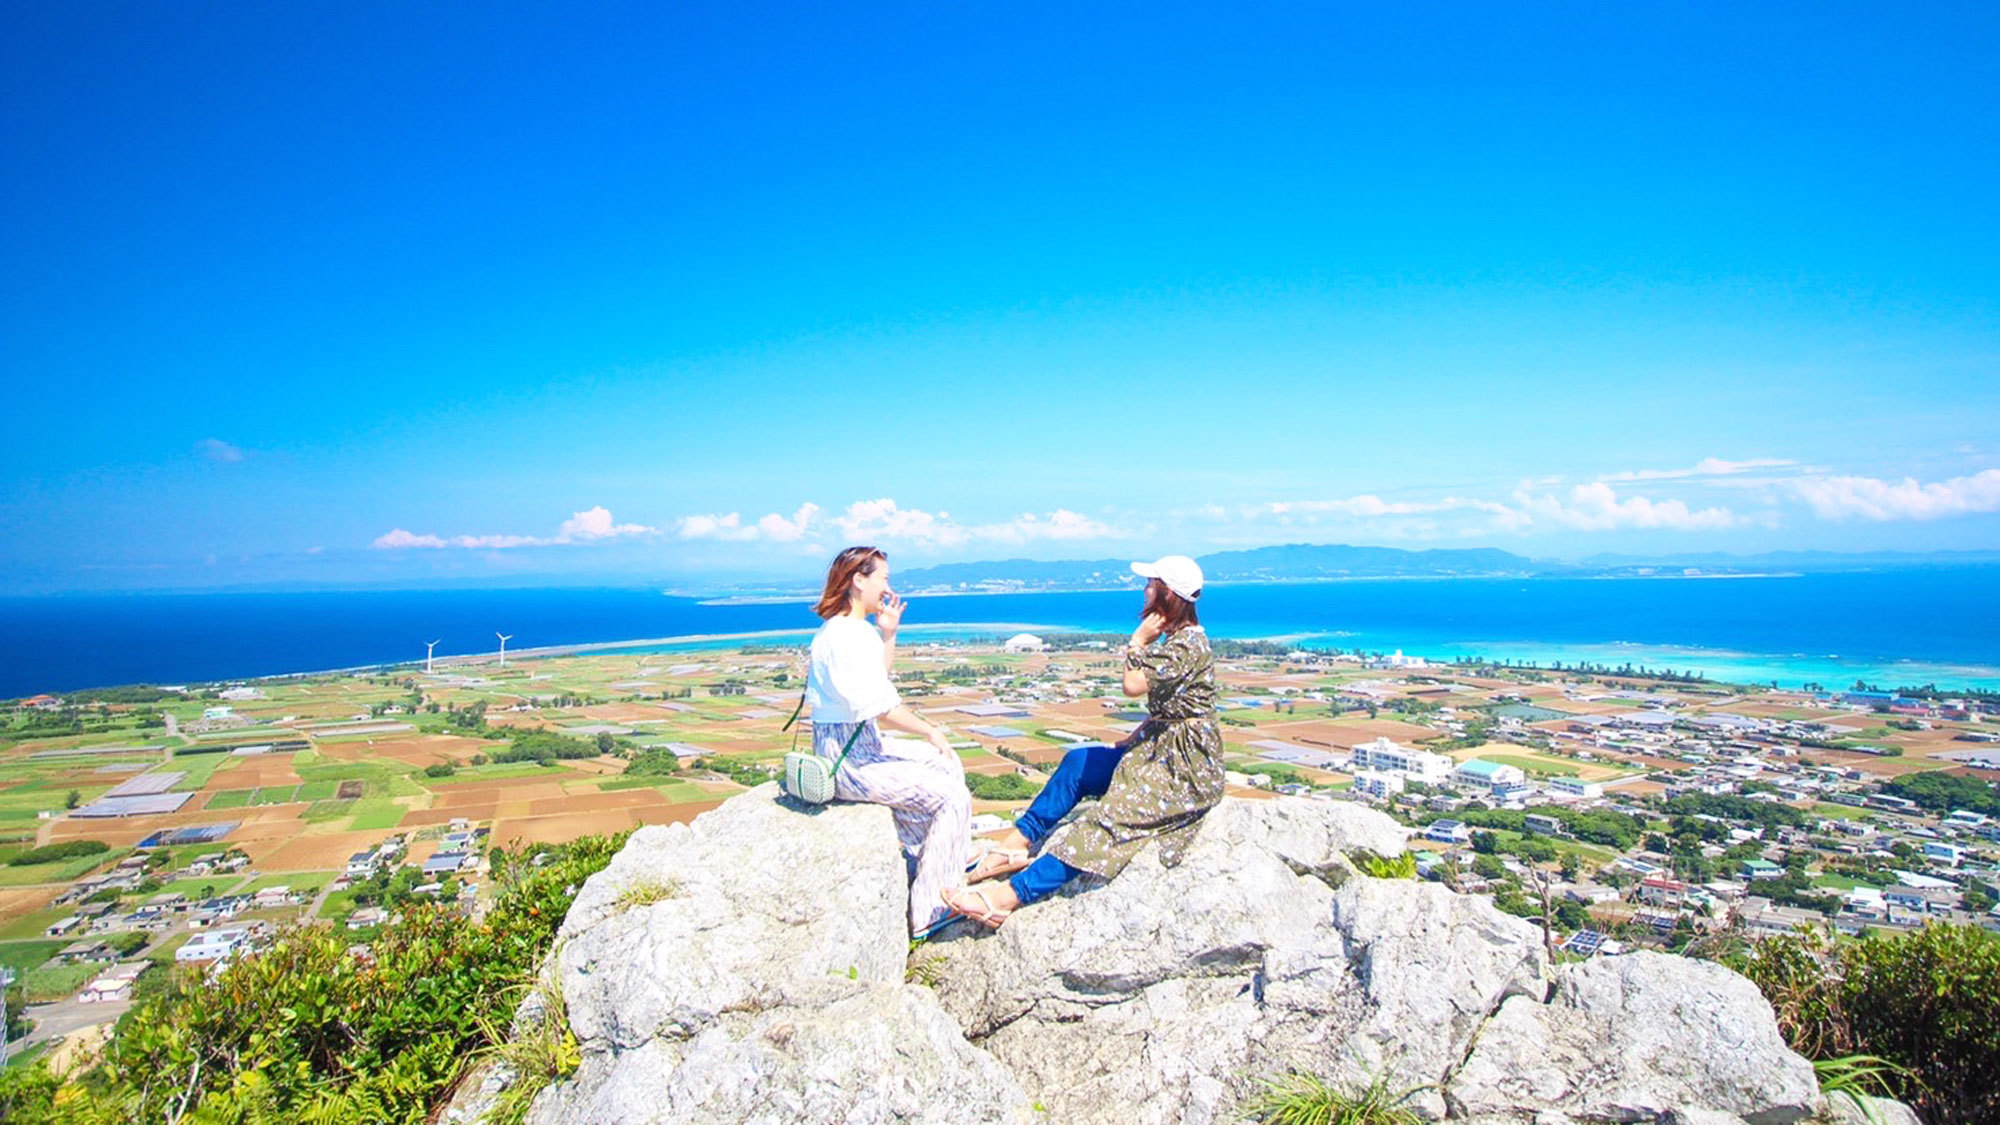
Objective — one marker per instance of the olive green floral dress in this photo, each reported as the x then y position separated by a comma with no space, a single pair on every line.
1172,769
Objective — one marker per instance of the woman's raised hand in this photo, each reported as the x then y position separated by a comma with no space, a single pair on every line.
1150,626
889,615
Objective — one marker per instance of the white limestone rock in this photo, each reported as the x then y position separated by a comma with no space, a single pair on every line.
1169,995
848,1051
1636,1038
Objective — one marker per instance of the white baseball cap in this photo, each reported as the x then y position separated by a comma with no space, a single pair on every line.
1179,572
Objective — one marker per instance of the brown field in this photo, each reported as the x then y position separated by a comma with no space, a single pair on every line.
628,712
1344,734
1870,764
568,826
321,852
18,902
491,793
527,719
424,818
1640,787
588,802
127,831
252,771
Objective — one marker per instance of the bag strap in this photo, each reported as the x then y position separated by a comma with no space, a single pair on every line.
800,709
858,728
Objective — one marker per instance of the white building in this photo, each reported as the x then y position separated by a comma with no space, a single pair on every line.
1374,783
212,945
1024,642
1575,788
1415,765
1476,773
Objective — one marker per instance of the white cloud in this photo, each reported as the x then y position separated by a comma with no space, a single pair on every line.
1598,507
399,539
885,521
1706,467
1592,507
1367,506
781,530
714,527
587,526
596,523
219,451
1840,498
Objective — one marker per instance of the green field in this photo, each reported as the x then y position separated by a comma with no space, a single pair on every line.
370,815
56,982
229,799
674,790
305,882
275,795
61,871
198,768
1550,767
317,790
21,956
35,925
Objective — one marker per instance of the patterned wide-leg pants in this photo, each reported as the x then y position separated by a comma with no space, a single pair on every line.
926,792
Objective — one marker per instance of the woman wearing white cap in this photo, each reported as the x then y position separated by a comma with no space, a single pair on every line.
1155,785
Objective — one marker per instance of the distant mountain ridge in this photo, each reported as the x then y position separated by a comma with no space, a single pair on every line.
1295,562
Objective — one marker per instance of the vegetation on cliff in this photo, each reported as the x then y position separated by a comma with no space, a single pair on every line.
309,1030
1923,1000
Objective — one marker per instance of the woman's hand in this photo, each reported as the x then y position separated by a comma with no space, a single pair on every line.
1150,627
938,739
889,615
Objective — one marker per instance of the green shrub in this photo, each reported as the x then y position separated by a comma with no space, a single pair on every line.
1402,866
52,853
654,763
1009,786
1923,1001
302,1031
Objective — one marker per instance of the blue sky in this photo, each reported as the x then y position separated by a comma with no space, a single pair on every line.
395,294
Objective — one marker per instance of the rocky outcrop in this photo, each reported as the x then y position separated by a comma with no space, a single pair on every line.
1634,1038
751,967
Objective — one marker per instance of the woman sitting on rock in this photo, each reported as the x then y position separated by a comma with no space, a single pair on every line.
847,684
1156,784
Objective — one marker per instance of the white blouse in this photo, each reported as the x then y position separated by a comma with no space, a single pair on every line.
847,682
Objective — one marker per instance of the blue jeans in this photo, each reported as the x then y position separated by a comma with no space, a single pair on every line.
1084,772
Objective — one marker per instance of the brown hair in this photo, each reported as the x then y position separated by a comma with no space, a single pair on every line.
834,600
1178,611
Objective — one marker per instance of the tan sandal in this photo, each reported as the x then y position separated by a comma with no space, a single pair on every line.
986,914
995,862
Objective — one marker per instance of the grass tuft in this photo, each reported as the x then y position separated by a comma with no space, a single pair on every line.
1305,1099
544,1052
646,892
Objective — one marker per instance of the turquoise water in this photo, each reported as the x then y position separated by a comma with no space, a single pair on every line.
1894,628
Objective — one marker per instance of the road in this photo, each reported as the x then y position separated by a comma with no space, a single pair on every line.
53,1021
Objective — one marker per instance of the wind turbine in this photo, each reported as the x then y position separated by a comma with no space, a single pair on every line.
504,638
428,649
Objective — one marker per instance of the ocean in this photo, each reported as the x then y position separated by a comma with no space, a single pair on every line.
1892,627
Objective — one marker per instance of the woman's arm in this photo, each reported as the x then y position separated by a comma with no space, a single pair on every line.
887,620
902,718
1134,680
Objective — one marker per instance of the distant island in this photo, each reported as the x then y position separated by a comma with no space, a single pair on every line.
1305,562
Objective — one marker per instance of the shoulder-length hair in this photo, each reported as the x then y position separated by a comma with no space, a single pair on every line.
839,592
1178,611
